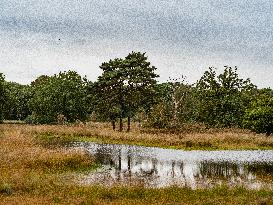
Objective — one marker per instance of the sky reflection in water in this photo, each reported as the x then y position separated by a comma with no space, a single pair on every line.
157,167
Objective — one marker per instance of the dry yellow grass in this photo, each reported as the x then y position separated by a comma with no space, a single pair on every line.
205,139
30,172
25,163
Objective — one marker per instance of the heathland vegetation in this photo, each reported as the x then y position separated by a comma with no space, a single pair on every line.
128,90
34,172
219,111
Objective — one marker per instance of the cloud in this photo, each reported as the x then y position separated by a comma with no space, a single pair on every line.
180,37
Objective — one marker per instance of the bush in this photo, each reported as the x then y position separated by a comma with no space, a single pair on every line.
30,120
259,117
160,117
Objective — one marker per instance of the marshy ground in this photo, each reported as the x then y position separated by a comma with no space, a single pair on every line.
34,172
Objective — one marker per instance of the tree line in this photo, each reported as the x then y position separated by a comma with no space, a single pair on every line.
128,90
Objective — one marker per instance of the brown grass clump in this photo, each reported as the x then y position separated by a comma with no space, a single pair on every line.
60,160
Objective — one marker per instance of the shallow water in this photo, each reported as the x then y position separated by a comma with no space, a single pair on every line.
157,167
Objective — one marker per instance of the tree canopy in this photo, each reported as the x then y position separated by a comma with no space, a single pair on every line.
63,95
128,89
259,117
18,96
126,85
223,98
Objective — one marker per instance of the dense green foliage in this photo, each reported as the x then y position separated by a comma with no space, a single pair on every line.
259,117
16,106
61,97
223,99
127,88
215,100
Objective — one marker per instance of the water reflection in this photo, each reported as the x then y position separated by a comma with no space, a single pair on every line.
156,167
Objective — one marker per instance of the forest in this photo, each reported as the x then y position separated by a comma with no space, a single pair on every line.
128,91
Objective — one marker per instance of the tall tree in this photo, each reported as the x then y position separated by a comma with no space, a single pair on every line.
126,85
140,81
109,92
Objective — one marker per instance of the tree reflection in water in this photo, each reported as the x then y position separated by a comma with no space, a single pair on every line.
155,167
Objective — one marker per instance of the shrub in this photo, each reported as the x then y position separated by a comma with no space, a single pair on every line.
259,117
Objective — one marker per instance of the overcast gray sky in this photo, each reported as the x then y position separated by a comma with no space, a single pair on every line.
180,37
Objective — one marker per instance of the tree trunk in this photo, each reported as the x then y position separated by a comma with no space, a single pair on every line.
113,124
129,124
120,124
129,165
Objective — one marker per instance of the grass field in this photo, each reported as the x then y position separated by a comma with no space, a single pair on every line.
190,139
32,173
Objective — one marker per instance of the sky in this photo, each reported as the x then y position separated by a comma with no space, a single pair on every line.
180,37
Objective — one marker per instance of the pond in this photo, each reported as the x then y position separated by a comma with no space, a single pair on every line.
158,167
